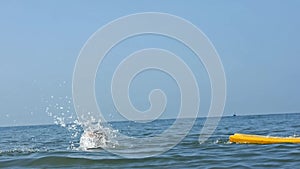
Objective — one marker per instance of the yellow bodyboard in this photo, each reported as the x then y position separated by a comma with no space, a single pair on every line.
258,139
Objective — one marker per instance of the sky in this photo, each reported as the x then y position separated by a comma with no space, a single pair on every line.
257,41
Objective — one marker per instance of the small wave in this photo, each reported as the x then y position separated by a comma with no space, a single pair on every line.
16,152
53,161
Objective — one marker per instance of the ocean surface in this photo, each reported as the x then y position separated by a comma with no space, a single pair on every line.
58,146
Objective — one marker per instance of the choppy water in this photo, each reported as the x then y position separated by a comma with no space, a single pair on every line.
53,146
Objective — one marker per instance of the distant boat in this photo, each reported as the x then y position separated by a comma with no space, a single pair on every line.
234,115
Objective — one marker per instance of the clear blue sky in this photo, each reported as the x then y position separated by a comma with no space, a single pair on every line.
258,42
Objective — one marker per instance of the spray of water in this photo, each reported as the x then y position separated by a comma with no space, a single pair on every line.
90,135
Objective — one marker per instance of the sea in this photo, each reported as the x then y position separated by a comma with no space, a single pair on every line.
60,146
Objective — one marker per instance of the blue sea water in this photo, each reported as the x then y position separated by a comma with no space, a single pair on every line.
54,146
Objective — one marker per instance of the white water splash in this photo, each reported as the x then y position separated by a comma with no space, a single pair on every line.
90,135
60,108
96,135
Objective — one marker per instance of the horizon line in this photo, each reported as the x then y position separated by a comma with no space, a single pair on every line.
112,121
